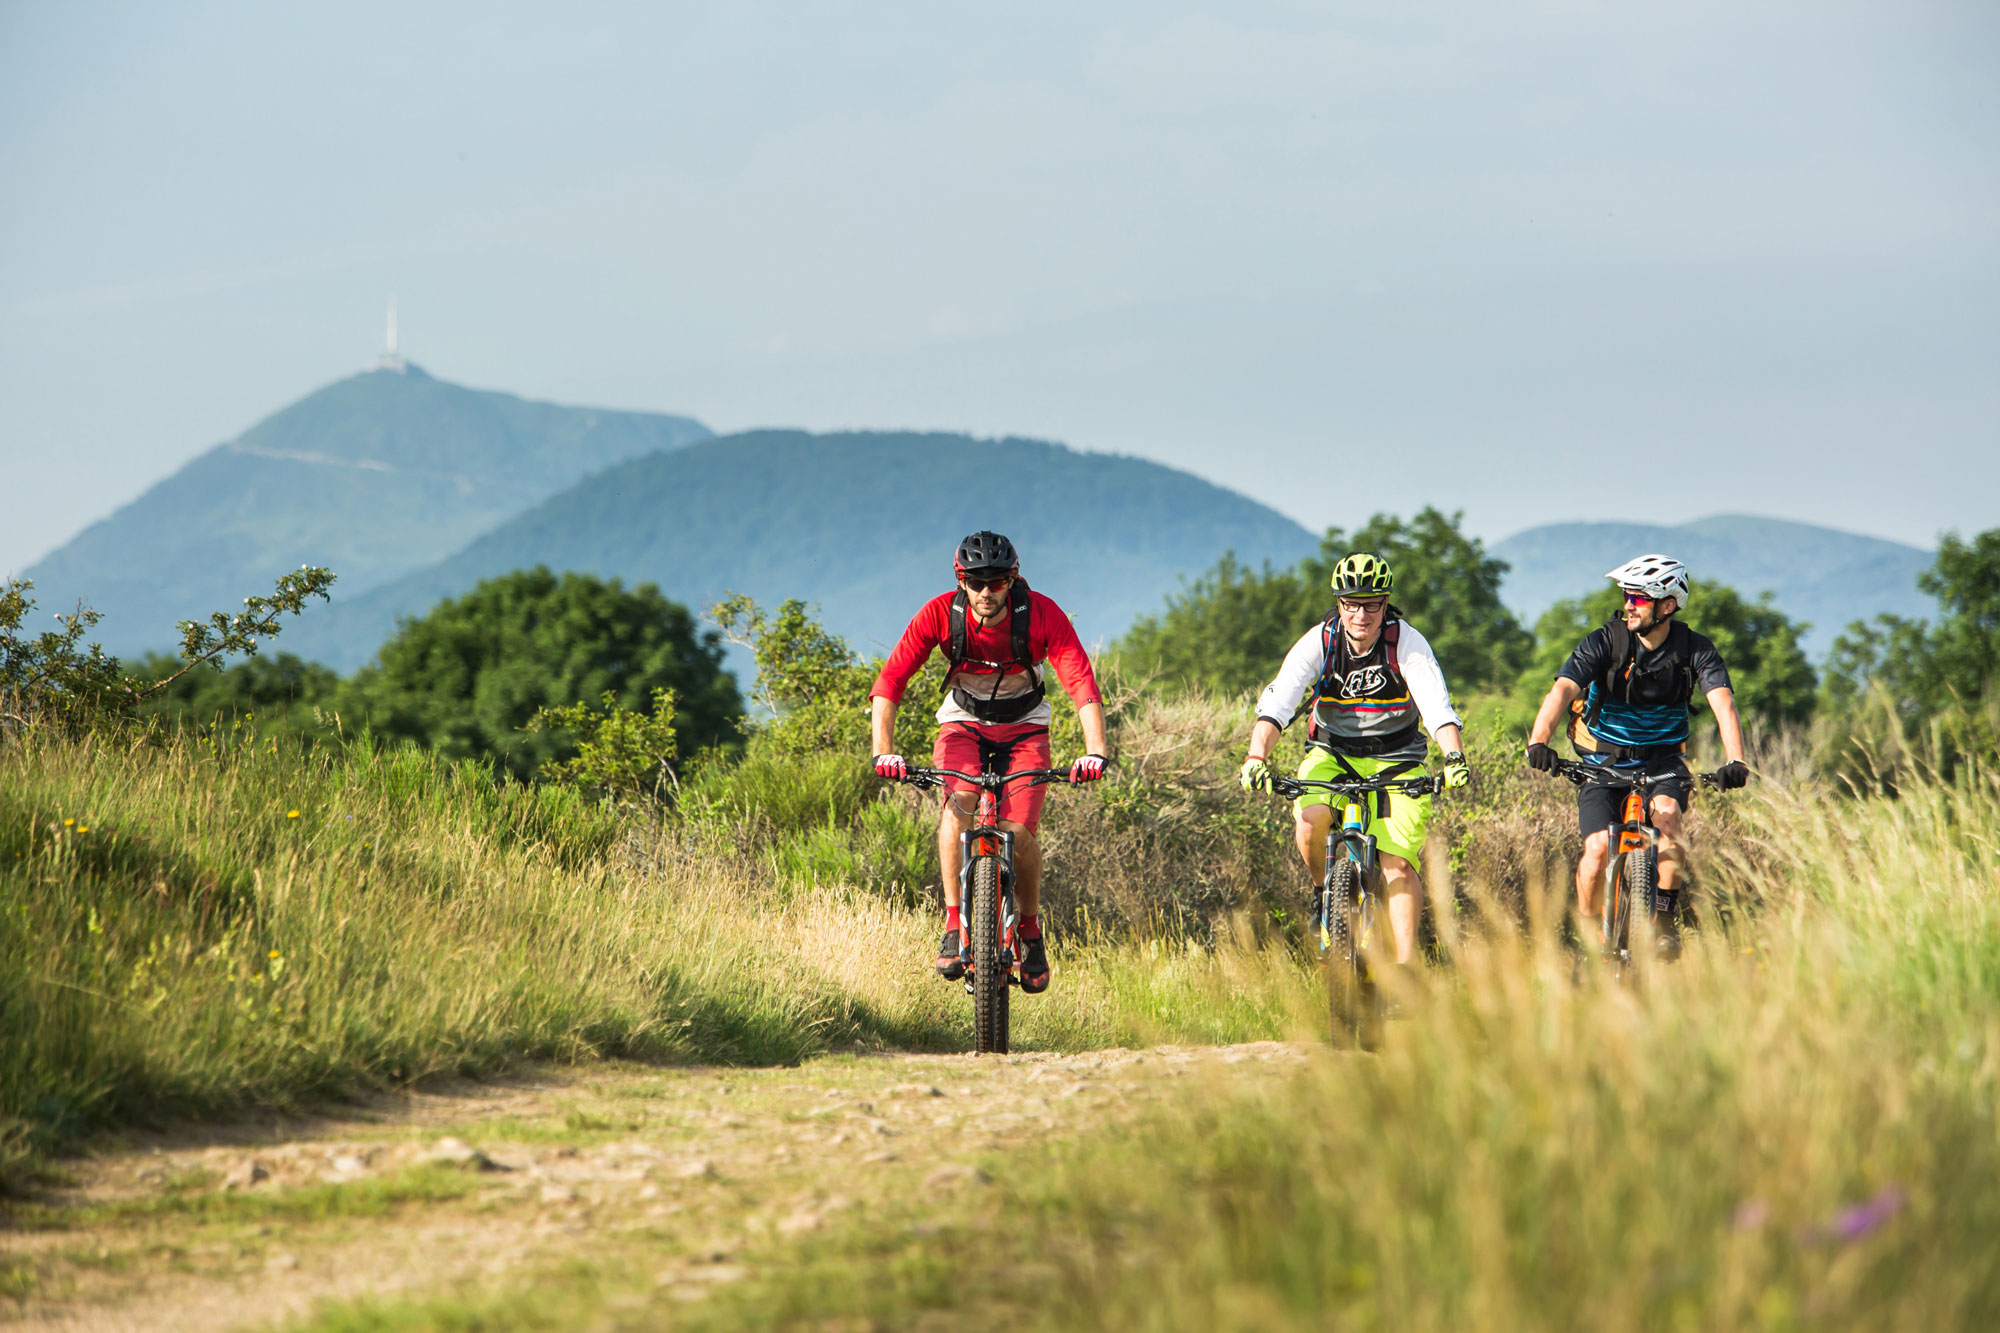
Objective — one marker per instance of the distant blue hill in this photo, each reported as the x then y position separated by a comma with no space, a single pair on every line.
1820,575
373,476
863,524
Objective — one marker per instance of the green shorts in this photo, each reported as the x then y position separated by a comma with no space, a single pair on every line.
1402,833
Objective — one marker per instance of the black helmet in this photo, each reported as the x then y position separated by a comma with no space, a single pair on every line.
985,553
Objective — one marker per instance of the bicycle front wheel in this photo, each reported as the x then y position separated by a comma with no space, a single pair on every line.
989,975
1346,970
1630,876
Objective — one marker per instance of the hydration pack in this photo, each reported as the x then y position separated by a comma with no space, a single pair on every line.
1333,646
992,708
1675,654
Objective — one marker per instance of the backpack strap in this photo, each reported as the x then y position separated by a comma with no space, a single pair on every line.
1390,633
1020,609
954,640
1020,612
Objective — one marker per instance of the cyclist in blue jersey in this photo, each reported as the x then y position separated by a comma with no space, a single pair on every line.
1626,691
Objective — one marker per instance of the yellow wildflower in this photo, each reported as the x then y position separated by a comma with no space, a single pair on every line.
291,814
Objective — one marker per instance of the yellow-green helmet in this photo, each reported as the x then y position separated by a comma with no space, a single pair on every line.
1363,574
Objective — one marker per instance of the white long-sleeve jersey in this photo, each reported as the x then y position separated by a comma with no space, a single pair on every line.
1371,703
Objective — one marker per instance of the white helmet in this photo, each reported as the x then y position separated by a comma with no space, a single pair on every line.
1655,575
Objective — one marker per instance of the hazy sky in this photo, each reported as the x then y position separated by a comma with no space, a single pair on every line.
1538,261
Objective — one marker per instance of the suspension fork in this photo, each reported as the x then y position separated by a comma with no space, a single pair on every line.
1351,833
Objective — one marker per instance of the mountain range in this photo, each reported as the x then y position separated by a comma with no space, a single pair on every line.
1823,576
373,476
862,523
413,489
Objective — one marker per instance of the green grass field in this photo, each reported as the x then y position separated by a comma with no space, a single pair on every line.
1794,1127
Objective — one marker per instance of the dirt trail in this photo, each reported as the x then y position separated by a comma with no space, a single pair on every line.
489,1184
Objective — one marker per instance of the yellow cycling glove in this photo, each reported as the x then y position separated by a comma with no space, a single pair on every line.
1256,775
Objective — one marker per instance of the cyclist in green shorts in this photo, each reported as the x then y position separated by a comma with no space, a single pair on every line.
1375,696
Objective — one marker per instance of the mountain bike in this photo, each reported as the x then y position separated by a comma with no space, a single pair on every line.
1633,872
1347,909
986,896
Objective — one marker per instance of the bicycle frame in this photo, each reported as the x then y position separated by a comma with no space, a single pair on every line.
1635,832
986,842
1346,926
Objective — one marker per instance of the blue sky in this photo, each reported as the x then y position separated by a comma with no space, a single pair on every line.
1538,261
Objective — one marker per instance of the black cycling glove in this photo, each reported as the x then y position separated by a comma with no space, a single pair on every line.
1541,758
1734,774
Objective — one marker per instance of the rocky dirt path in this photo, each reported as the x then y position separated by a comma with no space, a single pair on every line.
481,1187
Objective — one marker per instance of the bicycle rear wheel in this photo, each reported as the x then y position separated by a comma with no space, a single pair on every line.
1346,974
989,977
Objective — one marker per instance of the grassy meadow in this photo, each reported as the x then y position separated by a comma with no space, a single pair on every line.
1794,1127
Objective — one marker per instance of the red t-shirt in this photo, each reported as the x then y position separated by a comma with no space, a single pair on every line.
1051,638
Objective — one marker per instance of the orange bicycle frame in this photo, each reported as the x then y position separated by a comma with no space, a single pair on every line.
1630,839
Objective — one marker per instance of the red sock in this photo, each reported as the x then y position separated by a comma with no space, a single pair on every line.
1030,928
951,918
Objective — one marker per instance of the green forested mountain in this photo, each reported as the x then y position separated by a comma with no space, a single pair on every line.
373,476
1819,575
864,524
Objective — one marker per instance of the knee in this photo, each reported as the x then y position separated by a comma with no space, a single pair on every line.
1596,848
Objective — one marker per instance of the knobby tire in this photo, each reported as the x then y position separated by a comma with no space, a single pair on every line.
1346,983
1642,873
989,977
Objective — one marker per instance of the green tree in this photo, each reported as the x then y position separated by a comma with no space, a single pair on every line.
467,677
1229,629
811,682
1226,631
281,694
1929,667
1893,680
1769,673
53,679
624,754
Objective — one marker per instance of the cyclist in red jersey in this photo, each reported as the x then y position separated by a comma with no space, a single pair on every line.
996,634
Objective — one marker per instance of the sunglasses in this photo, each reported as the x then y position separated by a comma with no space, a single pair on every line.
981,585
1638,599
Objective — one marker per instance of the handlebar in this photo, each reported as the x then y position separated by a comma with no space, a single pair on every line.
1429,785
925,779
1600,775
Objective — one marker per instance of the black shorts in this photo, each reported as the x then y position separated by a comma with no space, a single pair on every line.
1598,808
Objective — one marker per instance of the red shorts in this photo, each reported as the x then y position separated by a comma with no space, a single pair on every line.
958,747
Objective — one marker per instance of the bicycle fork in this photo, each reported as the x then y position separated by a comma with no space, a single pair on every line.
1359,847
999,844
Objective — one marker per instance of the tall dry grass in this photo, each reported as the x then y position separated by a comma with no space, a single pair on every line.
197,929
1793,1127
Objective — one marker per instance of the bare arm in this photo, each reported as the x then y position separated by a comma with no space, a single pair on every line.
1450,738
1560,696
882,725
1723,701
1263,738
1092,717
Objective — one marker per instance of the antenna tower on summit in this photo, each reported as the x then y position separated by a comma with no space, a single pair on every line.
391,358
